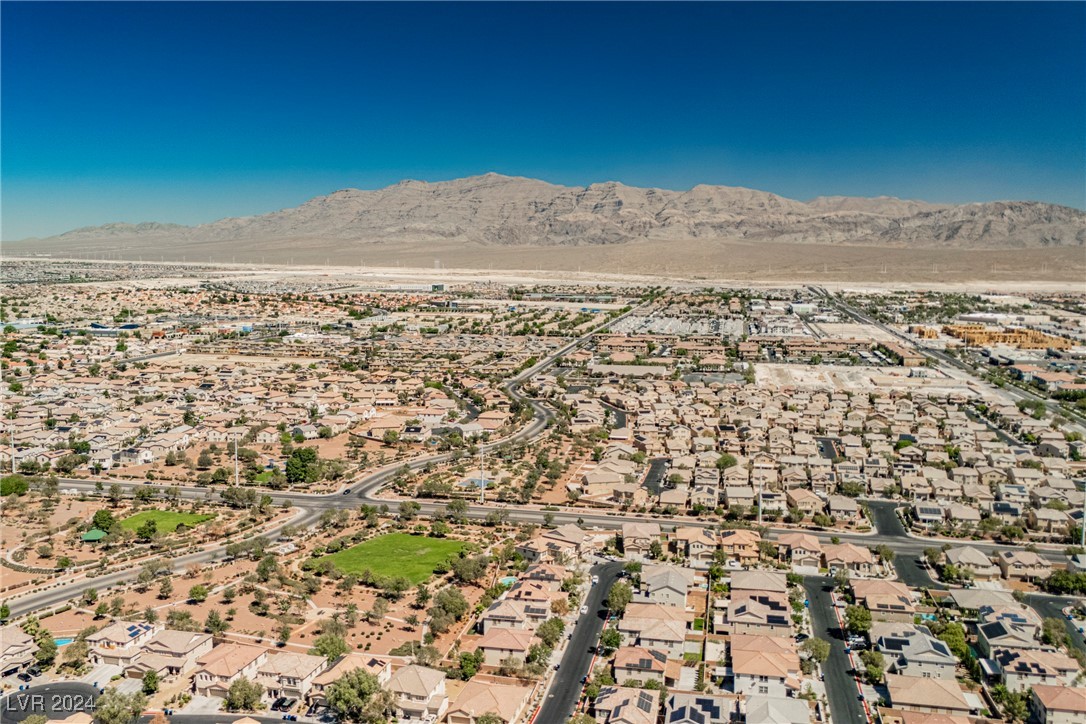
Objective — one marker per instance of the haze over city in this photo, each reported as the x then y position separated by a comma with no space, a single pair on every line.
552,363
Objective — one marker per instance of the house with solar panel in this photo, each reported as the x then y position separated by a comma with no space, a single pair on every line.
684,708
625,705
120,642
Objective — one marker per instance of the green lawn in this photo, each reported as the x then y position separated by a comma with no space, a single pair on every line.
397,554
166,520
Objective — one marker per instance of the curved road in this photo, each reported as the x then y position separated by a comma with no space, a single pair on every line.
363,491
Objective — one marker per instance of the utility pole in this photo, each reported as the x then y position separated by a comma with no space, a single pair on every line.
760,486
235,458
482,478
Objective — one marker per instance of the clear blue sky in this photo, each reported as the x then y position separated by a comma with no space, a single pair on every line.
190,112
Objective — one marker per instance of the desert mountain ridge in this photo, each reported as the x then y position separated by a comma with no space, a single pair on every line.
493,209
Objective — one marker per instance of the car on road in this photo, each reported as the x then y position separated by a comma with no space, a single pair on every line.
584,610
557,666
596,579
347,491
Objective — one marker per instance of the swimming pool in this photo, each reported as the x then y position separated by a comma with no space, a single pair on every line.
64,642
508,580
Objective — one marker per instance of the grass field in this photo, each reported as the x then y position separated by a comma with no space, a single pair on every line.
166,520
397,554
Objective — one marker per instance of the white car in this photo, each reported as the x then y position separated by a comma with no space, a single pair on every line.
584,610
595,580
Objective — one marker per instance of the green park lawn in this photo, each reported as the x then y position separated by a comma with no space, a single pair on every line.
166,520
397,554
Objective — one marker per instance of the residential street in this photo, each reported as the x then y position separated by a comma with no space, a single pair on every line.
840,686
566,688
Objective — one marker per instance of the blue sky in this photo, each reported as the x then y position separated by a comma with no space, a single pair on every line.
191,112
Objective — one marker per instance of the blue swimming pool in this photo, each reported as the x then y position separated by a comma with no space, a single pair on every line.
508,580
64,642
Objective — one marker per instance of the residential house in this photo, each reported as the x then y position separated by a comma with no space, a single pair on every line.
849,556
887,600
17,650
289,674
1058,705
1025,668
911,650
697,544
419,692
225,664
500,643
637,539
639,664
507,701
801,549
1023,565
379,667
626,705
666,585
741,545
972,561
929,695
119,642
170,653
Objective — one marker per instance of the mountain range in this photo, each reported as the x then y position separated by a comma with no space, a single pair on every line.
493,209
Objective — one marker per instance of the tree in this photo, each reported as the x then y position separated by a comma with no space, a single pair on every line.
470,569
874,665
267,567
857,619
148,530
150,683
102,520
489,718
165,589
550,632
329,646
204,461
379,610
5,611
198,593
818,650
619,597
90,595
113,707
350,695
47,650
726,461
457,509
422,596
408,510
214,624
243,695
610,639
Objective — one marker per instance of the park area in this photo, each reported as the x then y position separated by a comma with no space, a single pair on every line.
166,521
397,554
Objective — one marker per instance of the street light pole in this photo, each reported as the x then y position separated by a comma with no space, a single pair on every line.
235,459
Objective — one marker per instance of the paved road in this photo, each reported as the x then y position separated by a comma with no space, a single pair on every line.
56,701
566,688
840,685
1050,607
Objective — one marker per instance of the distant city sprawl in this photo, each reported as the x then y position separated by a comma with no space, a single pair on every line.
378,495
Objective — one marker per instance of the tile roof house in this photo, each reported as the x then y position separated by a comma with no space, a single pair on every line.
419,692
120,642
801,549
684,708
225,664
379,667
977,563
934,696
911,650
1023,565
17,650
1025,668
477,698
849,556
639,664
170,653
500,643
1058,705
625,705
777,710
289,674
